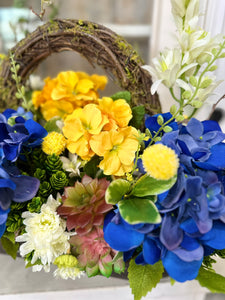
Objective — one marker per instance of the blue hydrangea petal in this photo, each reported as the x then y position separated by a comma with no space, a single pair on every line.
151,251
210,125
36,131
2,229
171,234
189,226
122,239
189,255
128,254
189,243
215,238
139,260
26,188
216,160
180,270
195,128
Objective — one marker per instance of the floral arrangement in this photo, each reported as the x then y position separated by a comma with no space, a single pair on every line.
89,183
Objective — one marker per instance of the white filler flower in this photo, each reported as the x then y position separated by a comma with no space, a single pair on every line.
45,235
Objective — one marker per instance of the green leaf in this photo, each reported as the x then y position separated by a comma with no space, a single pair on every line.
138,116
91,167
116,190
193,81
143,278
51,125
122,95
211,280
147,185
160,119
9,247
206,82
167,129
173,109
10,236
139,210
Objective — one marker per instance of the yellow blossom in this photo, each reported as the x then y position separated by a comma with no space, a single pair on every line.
79,128
54,142
118,112
117,147
68,91
160,161
59,108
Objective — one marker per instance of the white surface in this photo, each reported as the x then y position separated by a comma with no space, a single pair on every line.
163,291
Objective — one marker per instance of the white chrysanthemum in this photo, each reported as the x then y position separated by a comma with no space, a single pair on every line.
45,235
71,164
68,272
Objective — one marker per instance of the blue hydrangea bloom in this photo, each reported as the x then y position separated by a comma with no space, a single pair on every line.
13,138
192,211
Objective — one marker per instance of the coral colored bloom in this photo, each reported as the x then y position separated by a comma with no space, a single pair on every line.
160,161
117,148
94,255
84,204
54,142
118,112
79,128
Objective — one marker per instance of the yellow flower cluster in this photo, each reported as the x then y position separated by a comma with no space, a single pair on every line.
68,91
160,161
103,129
54,143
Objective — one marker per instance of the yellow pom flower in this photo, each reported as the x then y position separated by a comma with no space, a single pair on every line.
54,143
160,162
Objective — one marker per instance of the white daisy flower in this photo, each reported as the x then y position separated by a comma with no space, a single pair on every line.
45,235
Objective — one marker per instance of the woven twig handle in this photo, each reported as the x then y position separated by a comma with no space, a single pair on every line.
98,44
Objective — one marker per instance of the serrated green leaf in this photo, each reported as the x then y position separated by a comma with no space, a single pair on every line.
211,280
122,95
138,113
147,186
139,210
116,190
143,279
9,247
51,125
